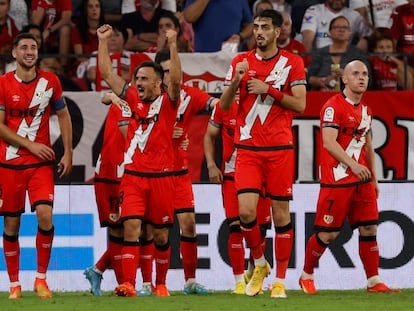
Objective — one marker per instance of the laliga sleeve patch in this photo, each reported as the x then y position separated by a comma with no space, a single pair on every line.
328,115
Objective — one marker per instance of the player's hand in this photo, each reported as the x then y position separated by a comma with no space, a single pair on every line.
256,86
171,36
41,151
215,175
104,32
185,143
361,171
178,132
65,165
241,69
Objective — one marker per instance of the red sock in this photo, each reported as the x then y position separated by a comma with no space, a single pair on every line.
251,233
44,241
130,258
115,256
369,254
283,249
314,251
188,248
104,262
11,248
236,251
162,262
146,257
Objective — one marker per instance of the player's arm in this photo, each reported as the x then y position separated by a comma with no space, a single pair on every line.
370,158
308,36
40,150
123,129
296,101
193,11
227,98
65,124
115,82
214,173
330,144
174,86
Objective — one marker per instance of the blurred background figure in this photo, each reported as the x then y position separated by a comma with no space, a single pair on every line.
402,29
83,34
315,23
219,24
388,71
55,18
288,42
167,21
326,67
19,11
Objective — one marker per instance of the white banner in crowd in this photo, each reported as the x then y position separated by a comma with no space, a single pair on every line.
79,242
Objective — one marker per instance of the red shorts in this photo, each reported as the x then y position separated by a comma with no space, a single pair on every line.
231,204
148,198
274,168
107,201
184,196
358,203
38,181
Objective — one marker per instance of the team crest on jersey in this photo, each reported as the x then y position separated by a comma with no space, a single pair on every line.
39,94
15,98
328,115
328,219
114,217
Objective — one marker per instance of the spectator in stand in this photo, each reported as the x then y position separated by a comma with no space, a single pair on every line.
402,28
83,35
142,25
327,63
286,40
55,18
388,71
169,21
315,32
218,24
8,29
116,45
298,10
19,11
377,13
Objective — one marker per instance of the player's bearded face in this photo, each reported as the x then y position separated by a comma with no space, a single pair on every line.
265,33
147,83
26,53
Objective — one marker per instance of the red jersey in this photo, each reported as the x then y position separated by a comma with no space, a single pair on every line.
402,28
87,47
149,147
110,162
192,101
53,11
7,33
28,107
353,123
261,122
297,47
384,74
227,122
